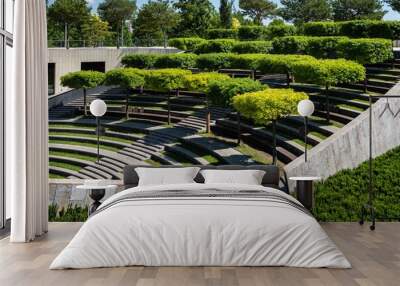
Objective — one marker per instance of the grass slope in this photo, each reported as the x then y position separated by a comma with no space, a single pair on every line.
340,197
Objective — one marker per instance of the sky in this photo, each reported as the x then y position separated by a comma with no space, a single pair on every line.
391,15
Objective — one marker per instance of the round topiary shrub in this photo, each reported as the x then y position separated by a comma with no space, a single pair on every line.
182,60
201,81
248,47
220,93
214,61
216,46
213,34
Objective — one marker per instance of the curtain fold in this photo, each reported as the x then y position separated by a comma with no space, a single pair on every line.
27,120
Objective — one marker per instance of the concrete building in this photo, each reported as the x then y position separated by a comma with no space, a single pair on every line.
62,61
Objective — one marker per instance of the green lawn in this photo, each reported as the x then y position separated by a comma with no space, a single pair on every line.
65,166
73,155
340,197
103,147
80,135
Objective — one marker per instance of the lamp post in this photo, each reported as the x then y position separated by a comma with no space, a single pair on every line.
305,108
98,108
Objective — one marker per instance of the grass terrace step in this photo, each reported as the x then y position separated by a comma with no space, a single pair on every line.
187,154
104,154
314,126
334,116
93,175
67,173
386,77
266,134
388,71
98,171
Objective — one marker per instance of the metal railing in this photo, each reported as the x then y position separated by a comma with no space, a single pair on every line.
149,42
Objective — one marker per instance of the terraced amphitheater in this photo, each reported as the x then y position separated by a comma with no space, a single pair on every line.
146,138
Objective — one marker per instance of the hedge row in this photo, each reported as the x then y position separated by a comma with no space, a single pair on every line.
340,197
364,51
305,68
252,33
267,105
355,29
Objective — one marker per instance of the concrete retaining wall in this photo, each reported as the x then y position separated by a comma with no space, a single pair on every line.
69,60
349,147
64,192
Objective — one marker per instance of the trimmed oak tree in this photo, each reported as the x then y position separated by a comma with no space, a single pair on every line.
267,106
128,78
84,80
166,80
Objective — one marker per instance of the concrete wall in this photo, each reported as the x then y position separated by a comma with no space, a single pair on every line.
69,60
349,147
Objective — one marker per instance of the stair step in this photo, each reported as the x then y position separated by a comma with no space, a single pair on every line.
99,172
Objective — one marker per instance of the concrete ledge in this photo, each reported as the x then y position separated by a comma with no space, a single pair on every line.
349,147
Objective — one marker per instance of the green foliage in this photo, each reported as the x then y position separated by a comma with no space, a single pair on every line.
201,81
355,29
141,61
366,51
225,13
321,29
268,105
324,47
186,44
257,10
328,72
73,213
82,79
176,61
246,47
222,34
246,61
195,17
343,10
155,20
165,79
220,93
216,46
303,11
370,29
125,77
252,33
280,30
214,61
290,45
340,197
115,12
281,63
95,31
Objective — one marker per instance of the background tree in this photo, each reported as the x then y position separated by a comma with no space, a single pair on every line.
195,17
394,4
116,13
95,31
67,14
302,11
257,10
84,80
225,13
344,10
156,20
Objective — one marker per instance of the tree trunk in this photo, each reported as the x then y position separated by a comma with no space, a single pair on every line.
84,102
239,129
274,152
118,39
328,114
169,109
127,106
208,117
66,42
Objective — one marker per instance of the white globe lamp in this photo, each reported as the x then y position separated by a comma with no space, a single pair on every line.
305,108
98,108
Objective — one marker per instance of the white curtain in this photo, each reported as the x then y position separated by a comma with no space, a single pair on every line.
27,124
